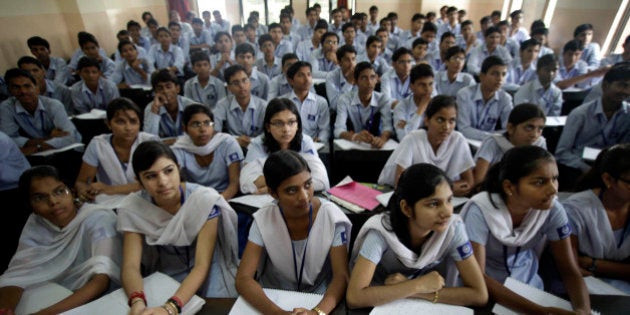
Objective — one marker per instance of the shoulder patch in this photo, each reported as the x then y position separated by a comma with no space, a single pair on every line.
465,250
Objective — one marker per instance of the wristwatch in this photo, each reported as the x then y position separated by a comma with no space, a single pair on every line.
318,311
593,266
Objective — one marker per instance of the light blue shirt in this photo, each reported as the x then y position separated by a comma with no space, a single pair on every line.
315,115
321,66
393,87
533,92
208,95
78,53
279,86
173,57
492,152
57,70
517,76
162,124
142,54
521,35
270,71
284,47
85,100
480,53
203,38
446,27
125,73
591,55
214,60
476,119
14,163
61,93
184,43
304,49
238,122
306,32
445,87
406,111
580,68
257,150
336,85
380,64
259,84
513,47
363,117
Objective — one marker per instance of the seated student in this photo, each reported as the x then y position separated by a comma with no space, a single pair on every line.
517,31
182,229
592,52
259,82
522,70
409,112
336,23
468,40
238,34
451,25
56,67
491,47
166,55
341,80
306,47
240,113
386,53
506,41
350,38
419,51
541,34
47,87
88,46
283,131
287,30
366,112
279,84
600,123
208,24
428,33
324,263
574,72
484,107
203,88
373,48
224,57
281,45
79,246
508,220
417,21
269,64
524,127
93,91
324,59
152,26
132,70
105,168
435,143
206,156
200,39
617,58
220,21
395,84
137,38
180,40
162,117
452,79
541,90
484,23
392,40
312,107
396,252
36,123
599,218
437,58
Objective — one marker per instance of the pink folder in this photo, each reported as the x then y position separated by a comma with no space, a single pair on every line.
357,194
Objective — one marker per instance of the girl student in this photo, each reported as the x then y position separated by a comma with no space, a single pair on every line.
436,143
524,127
106,163
282,131
511,218
206,156
396,252
299,242
600,218
184,230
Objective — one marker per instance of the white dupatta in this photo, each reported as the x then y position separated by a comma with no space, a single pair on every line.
185,142
110,162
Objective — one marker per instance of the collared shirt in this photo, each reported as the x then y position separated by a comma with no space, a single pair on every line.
446,27
230,118
162,124
591,55
304,49
284,47
124,72
544,50
279,86
358,43
336,85
435,61
315,115
380,64
57,70
533,92
21,126
214,60
476,119
406,111
61,93
580,68
520,36
208,95
407,35
78,53
144,42
587,126
513,47
204,37
363,117
387,55
517,76
480,53
393,87
224,25
461,42
261,29
85,100
14,163
142,54
336,30
184,43
259,84
306,32
173,57
445,87
321,66
293,38
270,71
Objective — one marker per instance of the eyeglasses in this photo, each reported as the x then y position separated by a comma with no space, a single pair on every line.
239,82
57,193
331,42
198,124
281,124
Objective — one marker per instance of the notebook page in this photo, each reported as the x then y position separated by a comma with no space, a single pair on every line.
416,306
287,300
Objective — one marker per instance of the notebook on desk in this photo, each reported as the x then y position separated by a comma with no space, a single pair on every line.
287,300
416,306
352,192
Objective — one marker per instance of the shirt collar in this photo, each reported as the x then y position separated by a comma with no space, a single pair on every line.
180,107
479,97
84,87
19,109
252,105
357,102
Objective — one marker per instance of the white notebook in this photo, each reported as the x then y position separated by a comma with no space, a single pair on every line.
417,306
287,300
346,145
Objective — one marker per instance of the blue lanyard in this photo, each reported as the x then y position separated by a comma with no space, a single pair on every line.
505,259
401,88
608,141
298,277
93,102
483,114
41,118
368,124
162,57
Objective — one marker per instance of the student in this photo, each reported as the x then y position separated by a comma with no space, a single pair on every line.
173,16
180,40
522,70
283,131
395,84
420,48
617,58
491,48
341,80
313,108
162,117
373,24
599,218
468,40
324,258
279,84
484,23
93,91
250,38
484,107
392,40
461,15
324,59
428,33
525,126
206,156
182,229
220,21
573,70
514,213
203,88
36,123
306,31
409,112
336,25
541,90
452,79
281,45
240,113
79,246
396,252
372,54
541,34
132,70
200,39
386,53
238,34
306,47
600,123
269,64
166,55
207,23
56,67
224,57
288,34
88,46
495,17
152,25
417,21
437,58
259,82
517,31
451,24
47,87
134,30
350,38
592,52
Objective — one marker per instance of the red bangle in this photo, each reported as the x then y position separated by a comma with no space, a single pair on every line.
137,294
178,303
4,311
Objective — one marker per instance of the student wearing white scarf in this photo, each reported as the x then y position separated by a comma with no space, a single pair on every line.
599,218
525,126
77,248
511,218
105,168
181,229
206,156
395,253
299,242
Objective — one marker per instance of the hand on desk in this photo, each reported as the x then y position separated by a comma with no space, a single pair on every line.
303,311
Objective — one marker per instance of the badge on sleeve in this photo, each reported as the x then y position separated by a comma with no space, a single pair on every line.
465,250
233,157
564,231
311,117
215,212
344,238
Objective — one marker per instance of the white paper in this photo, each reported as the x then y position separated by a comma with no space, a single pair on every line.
417,306
40,297
345,181
597,286
93,114
145,87
318,145
318,81
475,143
346,145
287,300
53,151
555,121
255,201
109,201
590,154
383,198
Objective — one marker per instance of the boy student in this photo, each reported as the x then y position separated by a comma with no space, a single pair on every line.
366,111
373,24
341,80
484,23
223,24
251,38
393,18
180,40
540,34
313,108
36,123
438,57
409,113
386,53
224,57
90,48
200,38
484,107
173,16
523,69
420,47
288,34
306,30
238,35
203,88
56,68
137,38
152,25
259,82
240,114
451,25
166,55
417,21
592,52
491,48
93,91
208,25
395,84
616,58
517,31
269,64
468,40
372,54
279,84
163,116
452,79
324,59
281,45
541,90
350,37
255,21
392,40
506,41
305,48
47,87
573,70
429,31
132,69
337,22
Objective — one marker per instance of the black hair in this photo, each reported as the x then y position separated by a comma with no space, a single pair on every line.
37,41
152,21
422,70
147,153
546,61
288,56
124,43
197,20
573,45
466,23
618,72
244,48
429,27
419,41
309,9
451,10
30,60
174,24
249,25
496,13
502,23
198,56
490,30
490,62
86,61
417,16
401,52
281,165
627,40
431,14
321,24
133,23
613,160
329,34
371,39
484,20
393,15
122,33
237,28
122,104
274,25
381,29
218,36
537,24
529,43
294,68
515,13
540,31
439,102
343,50
452,51
265,38
85,37
231,71
161,76
145,13
346,26
373,8
582,28
275,106
524,112
16,73
193,109
446,35
163,29
26,179
360,67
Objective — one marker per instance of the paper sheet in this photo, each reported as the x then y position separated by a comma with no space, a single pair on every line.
318,145
475,143
93,114
53,151
416,306
598,286
590,154
555,121
346,145
287,300
255,201
141,86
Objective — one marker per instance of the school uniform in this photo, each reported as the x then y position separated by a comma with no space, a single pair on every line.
381,66
461,42
57,70
142,54
393,87
321,66
358,43
270,71
85,100
549,100
230,118
204,37
494,147
513,47
336,85
304,49
445,87
480,53
184,43
446,27
580,68
284,47
162,124
375,118
61,93
125,73
591,55
14,163
214,60
261,30
544,50
279,86
306,32
144,42
259,84
406,111
520,36
477,120
435,61
405,36
78,54
315,115
173,57
387,55
208,95
517,75
336,29
612,59
224,25
293,38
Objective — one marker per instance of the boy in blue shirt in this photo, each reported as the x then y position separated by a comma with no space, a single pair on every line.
203,88
56,68
93,91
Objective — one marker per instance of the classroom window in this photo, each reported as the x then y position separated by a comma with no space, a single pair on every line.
326,7
206,5
269,9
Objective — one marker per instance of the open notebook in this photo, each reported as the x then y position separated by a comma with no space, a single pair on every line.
287,300
416,306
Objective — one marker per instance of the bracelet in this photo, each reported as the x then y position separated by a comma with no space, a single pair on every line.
318,311
136,300
135,295
177,302
436,296
168,309
593,266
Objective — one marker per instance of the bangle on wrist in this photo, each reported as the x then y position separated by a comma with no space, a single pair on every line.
436,296
318,311
177,302
136,295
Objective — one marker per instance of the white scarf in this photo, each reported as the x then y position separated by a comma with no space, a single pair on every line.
184,142
505,144
500,222
46,253
111,163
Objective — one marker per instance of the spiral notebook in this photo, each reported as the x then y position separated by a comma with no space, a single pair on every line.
287,300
